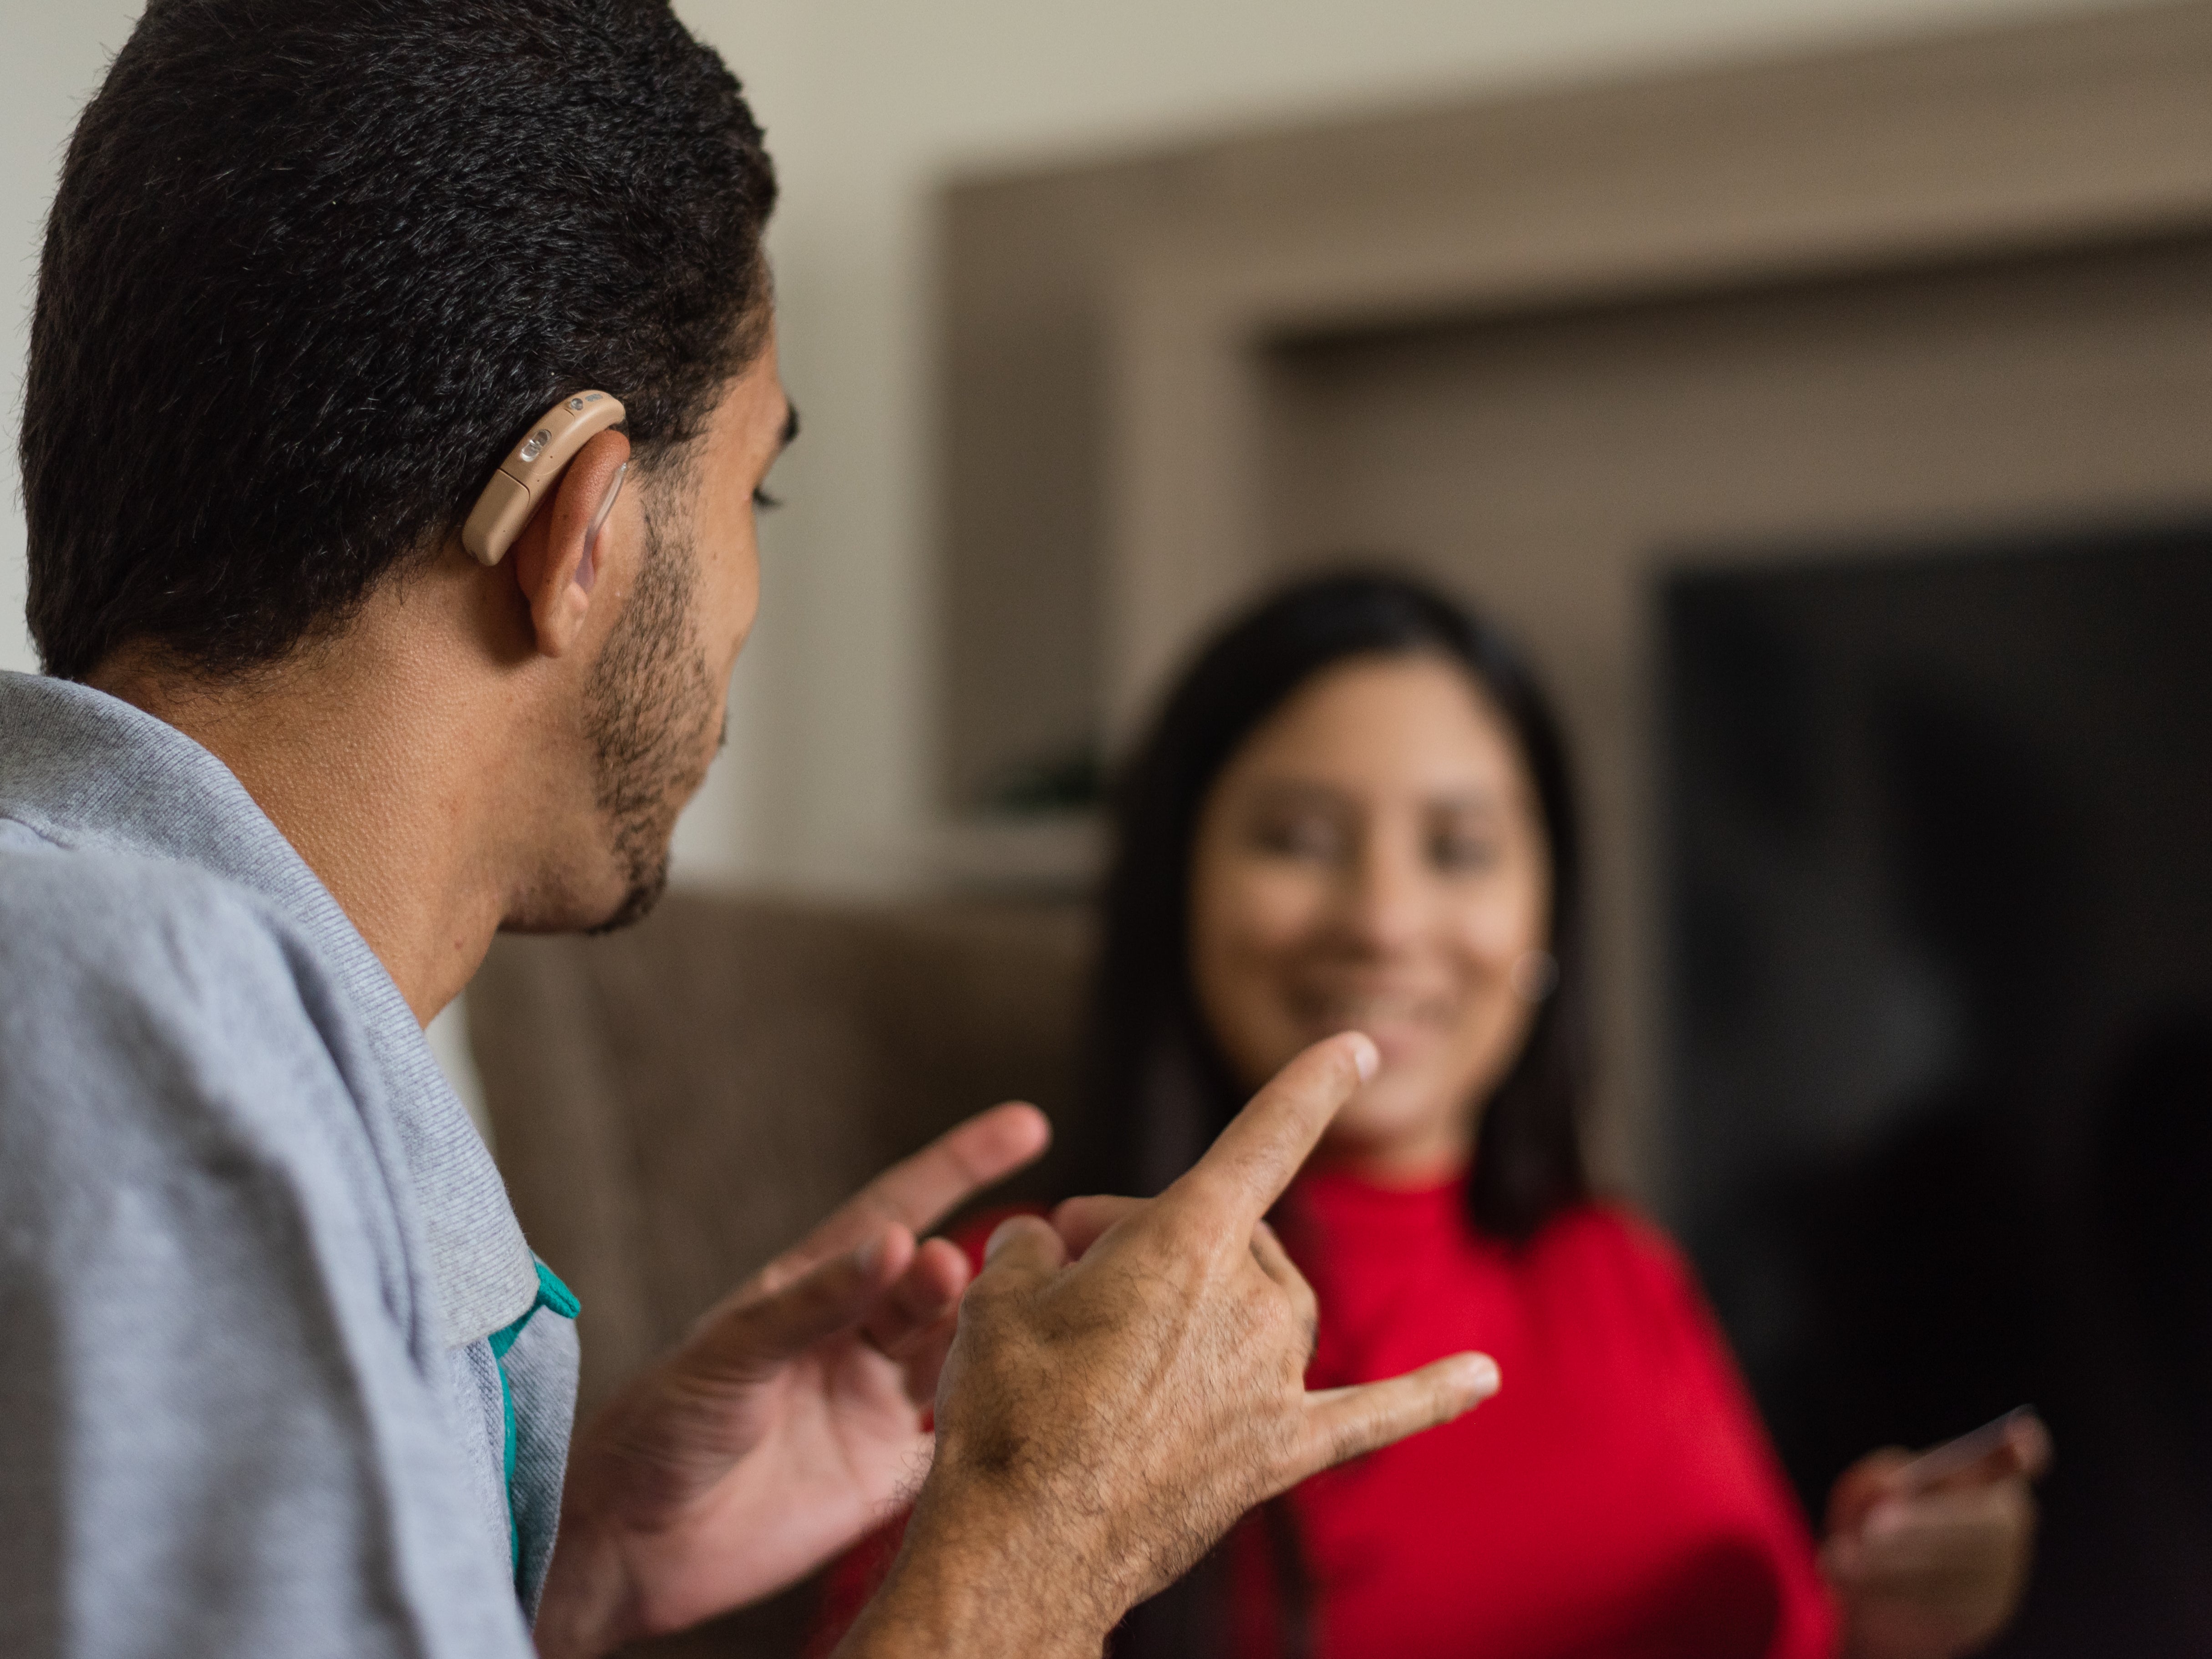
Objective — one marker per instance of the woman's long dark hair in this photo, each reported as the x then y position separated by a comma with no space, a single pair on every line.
1160,1090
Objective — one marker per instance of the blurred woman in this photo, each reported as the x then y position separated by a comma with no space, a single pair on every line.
1355,812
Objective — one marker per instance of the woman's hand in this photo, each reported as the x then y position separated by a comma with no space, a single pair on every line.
1930,1555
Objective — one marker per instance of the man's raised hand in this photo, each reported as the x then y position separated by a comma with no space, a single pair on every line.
1101,1423
788,1420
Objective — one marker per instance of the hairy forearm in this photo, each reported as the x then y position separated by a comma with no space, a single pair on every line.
979,1578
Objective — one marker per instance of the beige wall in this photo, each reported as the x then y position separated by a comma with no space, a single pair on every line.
51,56
868,104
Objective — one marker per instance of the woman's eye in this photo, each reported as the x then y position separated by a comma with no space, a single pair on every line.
1300,840
1462,854
764,500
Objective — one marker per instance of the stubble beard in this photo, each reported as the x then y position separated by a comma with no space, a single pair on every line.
651,705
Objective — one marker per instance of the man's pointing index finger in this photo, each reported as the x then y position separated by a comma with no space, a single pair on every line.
918,1191
1248,1167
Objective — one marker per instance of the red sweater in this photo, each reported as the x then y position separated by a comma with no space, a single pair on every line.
1618,1498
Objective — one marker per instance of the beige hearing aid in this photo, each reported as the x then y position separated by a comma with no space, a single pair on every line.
526,477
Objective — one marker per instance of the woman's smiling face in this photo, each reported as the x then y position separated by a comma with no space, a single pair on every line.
1374,857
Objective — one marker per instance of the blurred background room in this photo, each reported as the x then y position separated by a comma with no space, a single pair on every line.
1820,391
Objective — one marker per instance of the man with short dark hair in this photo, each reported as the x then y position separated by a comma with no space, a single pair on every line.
280,1374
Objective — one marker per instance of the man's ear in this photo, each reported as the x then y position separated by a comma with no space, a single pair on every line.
549,556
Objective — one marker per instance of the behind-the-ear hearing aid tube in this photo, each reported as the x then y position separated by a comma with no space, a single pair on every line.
587,568
526,477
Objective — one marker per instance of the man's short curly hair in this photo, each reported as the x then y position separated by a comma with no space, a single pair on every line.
313,267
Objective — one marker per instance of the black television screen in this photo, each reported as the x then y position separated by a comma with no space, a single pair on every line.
1939,965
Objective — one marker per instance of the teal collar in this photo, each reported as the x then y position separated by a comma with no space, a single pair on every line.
555,1297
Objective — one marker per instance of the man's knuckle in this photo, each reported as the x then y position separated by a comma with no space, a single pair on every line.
1204,1190
1186,1233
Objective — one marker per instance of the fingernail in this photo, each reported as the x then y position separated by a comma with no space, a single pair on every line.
870,1256
1365,1055
999,1234
1479,1375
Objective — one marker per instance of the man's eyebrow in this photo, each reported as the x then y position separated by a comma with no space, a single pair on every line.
790,424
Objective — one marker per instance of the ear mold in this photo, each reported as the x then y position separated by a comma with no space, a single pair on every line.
526,477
